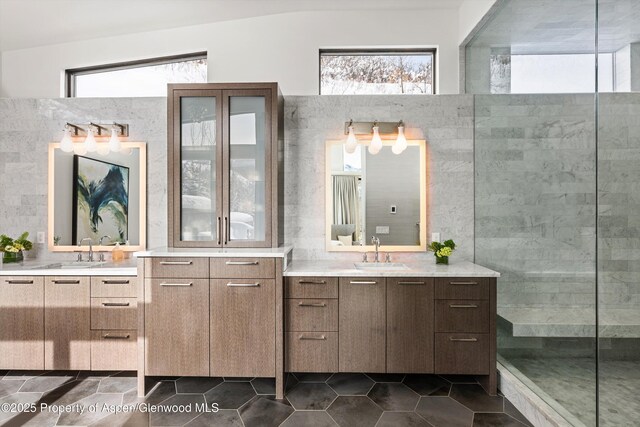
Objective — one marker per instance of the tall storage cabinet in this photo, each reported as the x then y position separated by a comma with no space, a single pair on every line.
226,146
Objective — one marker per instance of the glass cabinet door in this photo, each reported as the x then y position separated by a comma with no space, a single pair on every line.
199,203
248,190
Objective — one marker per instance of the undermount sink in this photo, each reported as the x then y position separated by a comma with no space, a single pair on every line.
380,266
69,265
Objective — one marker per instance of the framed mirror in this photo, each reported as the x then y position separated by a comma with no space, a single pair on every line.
95,195
383,195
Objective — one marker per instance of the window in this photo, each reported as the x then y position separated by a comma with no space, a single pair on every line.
370,72
147,77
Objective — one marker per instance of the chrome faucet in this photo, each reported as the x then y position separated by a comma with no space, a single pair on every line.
90,248
101,256
376,241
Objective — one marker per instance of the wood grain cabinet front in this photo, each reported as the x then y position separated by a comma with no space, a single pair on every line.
462,316
311,352
114,313
462,353
197,268
410,325
311,287
362,324
114,350
113,286
243,332
21,322
67,316
462,288
247,268
176,326
311,315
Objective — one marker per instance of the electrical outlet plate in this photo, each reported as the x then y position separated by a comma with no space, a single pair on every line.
40,237
382,229
435,237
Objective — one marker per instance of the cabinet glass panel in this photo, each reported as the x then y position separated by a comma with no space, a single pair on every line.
247,157
198,168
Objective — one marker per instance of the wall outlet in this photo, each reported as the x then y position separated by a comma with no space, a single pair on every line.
435,237
40,237
393,209
382,229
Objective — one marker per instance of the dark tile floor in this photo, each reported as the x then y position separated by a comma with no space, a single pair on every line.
316,400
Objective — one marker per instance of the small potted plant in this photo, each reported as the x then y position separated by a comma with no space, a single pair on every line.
12,249
442,251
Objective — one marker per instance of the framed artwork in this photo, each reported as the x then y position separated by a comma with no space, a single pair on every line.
100,200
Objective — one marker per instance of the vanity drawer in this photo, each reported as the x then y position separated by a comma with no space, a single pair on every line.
194,268
462,354
311,315
462,316
243,268
114,350
114,313
462,288
311,352
311,287
113,286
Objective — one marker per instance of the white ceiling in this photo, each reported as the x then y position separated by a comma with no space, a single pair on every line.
31,23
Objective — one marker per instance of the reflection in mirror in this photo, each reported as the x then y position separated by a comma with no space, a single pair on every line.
96,196
379,195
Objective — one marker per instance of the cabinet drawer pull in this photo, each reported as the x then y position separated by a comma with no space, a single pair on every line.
463,283
115,282
362,282
116,337
320,338
116,304
176,262
463,339
176,284
243,285
242,262
411,283
312,304
463,306
19,282
66,282
312,282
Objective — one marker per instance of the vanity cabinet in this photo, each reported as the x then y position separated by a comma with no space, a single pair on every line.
225,157
22,322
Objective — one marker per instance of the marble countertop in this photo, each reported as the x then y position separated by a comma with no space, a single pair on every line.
280,252
414,269
69,268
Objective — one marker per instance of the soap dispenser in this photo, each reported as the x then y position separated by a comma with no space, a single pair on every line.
117,254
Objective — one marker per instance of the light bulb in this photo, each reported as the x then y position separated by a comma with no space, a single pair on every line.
352,142
401,142
376,142
103,148
66,144
114,142
90,142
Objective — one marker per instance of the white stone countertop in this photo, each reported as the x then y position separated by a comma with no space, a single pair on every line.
127,267
280,252
414,269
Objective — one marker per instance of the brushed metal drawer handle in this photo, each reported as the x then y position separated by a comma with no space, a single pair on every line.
463,306
411,283
19,282
115,282
176,262
176,284
463,283
312,304
320,338
361,282
312,282
116,337
242,262
116,304
243,285
463,339
66,282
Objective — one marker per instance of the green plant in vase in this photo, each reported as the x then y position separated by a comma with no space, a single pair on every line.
12,249
442,251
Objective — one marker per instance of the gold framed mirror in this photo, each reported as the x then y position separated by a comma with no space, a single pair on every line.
383,194
97,195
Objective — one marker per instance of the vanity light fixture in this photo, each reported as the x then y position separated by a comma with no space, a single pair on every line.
352,141
377,131
401,140
376,142
93,138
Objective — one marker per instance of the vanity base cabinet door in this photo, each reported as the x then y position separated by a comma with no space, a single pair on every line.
176,327
462,353
243,328
21,323
362,325
67,314
410,325
311,352
114,350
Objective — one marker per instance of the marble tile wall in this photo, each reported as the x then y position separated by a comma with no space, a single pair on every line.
28,125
